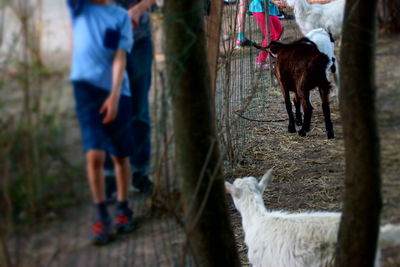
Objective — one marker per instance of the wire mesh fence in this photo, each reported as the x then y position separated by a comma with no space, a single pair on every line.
242,88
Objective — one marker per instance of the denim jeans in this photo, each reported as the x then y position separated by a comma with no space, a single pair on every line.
138,66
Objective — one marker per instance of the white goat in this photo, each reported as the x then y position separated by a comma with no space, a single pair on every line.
282,239
326,45
312,16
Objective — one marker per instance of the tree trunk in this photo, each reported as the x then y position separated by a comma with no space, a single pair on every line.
213,30
389,16
358,233
199,164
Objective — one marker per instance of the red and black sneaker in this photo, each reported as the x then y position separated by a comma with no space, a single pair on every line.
100,233
124,221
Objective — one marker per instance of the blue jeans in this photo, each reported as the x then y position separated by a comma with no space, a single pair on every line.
139,64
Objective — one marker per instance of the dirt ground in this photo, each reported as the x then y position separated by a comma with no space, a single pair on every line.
309,171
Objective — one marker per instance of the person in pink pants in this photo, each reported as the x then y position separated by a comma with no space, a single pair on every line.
257,8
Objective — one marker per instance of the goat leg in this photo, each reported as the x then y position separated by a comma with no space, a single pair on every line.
324,93
307,107
328,121
288,103
299,120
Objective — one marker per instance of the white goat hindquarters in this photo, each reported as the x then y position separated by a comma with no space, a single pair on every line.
324,43
296,240
326,46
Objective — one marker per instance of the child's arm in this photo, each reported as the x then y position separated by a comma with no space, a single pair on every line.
277,3
137,10
110,105
280,4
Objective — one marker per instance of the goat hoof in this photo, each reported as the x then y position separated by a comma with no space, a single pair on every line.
291,129
302,132
331,135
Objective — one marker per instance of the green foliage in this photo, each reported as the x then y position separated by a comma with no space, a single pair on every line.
36,176
32,189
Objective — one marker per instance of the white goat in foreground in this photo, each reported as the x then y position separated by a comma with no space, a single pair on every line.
313,16
282,239
326,45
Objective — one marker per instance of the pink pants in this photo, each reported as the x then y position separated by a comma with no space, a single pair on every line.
275,31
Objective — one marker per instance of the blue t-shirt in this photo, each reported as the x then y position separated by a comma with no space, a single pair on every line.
258,6
99,30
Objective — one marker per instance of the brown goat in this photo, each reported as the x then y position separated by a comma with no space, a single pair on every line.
300,67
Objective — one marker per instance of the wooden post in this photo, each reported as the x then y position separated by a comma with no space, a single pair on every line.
359,226
207,220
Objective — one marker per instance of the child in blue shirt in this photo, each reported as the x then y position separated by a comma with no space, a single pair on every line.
102,35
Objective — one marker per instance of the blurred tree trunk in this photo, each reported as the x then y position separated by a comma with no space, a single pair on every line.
358,233
213,31
198,161
389,16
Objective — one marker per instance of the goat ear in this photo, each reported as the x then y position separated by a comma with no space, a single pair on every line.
274,47
231,189
265,180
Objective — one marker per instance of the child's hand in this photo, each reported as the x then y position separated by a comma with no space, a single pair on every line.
135,12
110,109
277,3
135,16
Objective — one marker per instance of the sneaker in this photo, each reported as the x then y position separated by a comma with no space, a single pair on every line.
100,232
262,66
124,221
142,182
245,42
